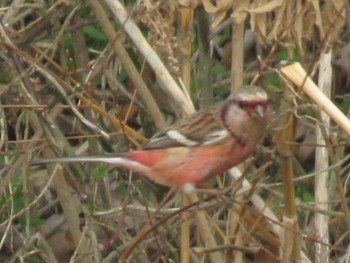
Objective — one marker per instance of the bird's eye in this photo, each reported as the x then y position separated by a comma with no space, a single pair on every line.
241,104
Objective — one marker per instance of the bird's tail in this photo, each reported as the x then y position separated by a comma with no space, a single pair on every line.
116,159
127,160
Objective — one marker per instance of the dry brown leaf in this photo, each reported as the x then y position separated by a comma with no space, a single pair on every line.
298,25
218,19
294,22
308,21
262,7
258,23
159,17
279,23
220,5
333,16
318,18
190,3
220,9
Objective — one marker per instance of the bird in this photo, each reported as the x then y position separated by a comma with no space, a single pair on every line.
198,147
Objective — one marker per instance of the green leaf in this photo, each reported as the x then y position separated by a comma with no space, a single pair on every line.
304,193
95,37
34,219
120,190
99,171
35,259
345,105
220,70
94,32
273,80
285,55
91,207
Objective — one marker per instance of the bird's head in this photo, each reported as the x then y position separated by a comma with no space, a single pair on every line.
244,112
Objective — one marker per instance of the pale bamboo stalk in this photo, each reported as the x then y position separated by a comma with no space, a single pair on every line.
234,229
167,83
204,228
186,17
260,204
322,163
237,56
298,76
256,200
185,231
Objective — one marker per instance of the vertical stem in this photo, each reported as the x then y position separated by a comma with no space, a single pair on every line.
185,231
204,76
186,43
321,164
163,76
290,247
234,230
238,19
205,231
237,55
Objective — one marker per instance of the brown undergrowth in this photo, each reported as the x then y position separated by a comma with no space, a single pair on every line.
90,77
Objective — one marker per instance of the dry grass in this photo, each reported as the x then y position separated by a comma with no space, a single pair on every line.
89,77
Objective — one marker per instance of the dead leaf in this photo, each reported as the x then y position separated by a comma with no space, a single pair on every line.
265,7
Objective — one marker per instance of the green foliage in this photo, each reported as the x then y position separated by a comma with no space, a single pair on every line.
34,219
304,193
35,259
121,190
67,42
345,105
122,75
221,71
272,80
156,86
18,200
99,171
194,86
91,207
285,54
222,92
19,204
4,77
95,37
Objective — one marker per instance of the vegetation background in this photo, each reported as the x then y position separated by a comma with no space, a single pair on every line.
89,77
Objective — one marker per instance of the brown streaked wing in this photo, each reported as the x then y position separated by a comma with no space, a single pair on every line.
196,129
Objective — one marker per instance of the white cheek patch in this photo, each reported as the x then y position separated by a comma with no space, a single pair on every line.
234,113
216,136
172,134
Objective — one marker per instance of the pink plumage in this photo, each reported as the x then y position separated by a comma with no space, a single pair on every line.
201,145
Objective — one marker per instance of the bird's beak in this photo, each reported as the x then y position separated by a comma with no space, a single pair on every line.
260,110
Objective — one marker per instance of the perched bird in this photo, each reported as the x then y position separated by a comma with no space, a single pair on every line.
202,145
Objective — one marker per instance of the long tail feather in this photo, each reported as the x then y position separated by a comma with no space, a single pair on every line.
112,159
116,159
